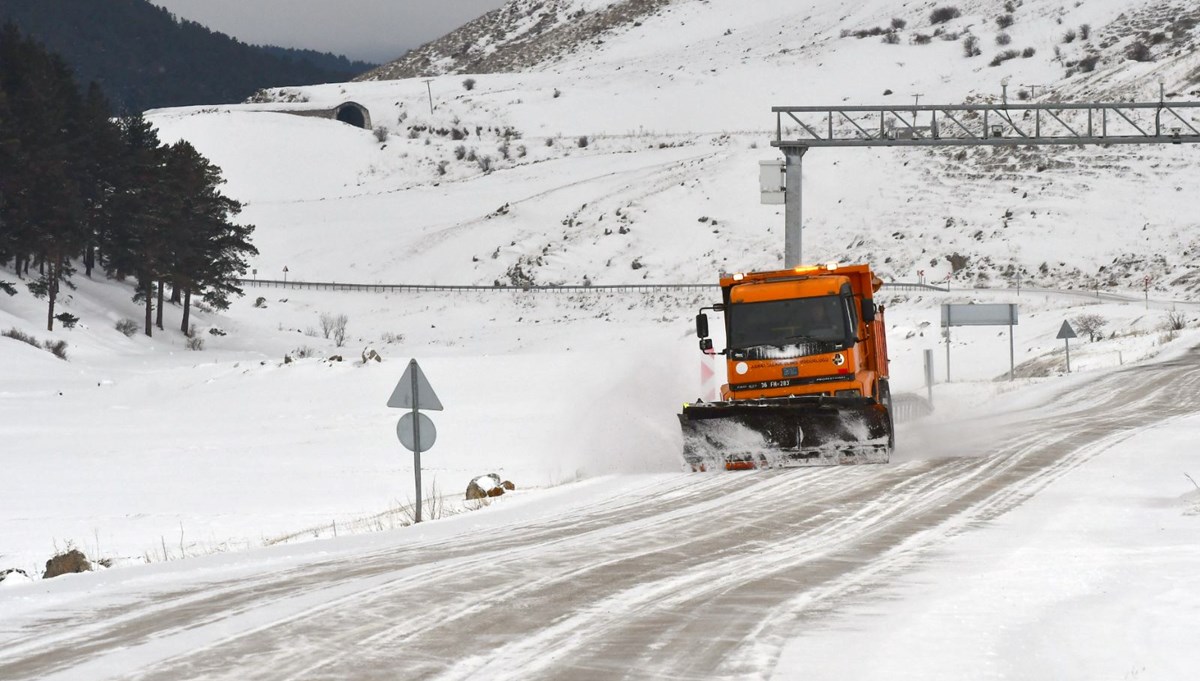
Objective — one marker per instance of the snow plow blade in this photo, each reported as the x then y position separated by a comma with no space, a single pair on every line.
781,432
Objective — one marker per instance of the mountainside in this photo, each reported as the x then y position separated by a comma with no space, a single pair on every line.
335,63
524,34
521,34
143,58
635,156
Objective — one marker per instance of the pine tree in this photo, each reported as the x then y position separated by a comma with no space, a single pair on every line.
136,226
98,167
208,250
43,198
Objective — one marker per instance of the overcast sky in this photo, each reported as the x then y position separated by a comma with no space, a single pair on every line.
372,30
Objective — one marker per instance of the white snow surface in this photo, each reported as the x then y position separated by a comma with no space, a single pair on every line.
1093,578
140,451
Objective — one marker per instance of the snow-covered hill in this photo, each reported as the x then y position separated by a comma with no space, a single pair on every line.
495,184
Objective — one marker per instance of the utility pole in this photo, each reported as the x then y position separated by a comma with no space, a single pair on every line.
429,89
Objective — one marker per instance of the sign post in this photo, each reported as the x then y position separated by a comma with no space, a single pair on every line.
992,314
1066,333
415,430
929,374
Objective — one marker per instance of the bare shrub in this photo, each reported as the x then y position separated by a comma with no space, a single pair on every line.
328,322
867,32
1003,57
381,134
56,348
891,38
898,23
460,152
1138,51
1003,39
303,352
469,84
260,302
16,334
921,39
485,163
127,327
582,142
971,46
1004,21
339,330
195,343
1085,31
1028,52
1088,63
1069,36
1090,325
941,15
1176,321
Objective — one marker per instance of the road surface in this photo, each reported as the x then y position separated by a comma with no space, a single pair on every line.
689,576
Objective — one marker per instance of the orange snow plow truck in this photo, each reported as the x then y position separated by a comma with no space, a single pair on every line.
807,370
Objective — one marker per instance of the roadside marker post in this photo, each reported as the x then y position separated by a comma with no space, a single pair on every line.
415,430
1066,333
929,374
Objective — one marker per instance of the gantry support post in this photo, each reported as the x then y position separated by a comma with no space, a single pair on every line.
793,220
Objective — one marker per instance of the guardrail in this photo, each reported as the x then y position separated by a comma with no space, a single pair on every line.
597,288
910,286
909,407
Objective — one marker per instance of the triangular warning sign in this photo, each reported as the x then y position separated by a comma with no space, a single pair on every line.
706,372
402,396
1066,331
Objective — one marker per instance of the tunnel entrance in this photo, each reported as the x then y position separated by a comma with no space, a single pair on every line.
353,114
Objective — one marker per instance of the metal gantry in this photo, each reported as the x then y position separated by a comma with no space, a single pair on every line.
800,128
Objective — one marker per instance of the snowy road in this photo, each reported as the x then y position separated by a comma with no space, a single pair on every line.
671,576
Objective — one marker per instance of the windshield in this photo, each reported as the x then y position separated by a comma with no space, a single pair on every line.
813,325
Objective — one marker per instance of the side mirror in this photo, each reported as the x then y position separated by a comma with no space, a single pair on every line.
868,310
702,326
706,346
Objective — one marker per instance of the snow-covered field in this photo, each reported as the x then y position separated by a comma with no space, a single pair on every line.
138,450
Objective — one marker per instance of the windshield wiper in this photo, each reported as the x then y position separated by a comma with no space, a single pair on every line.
809,339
